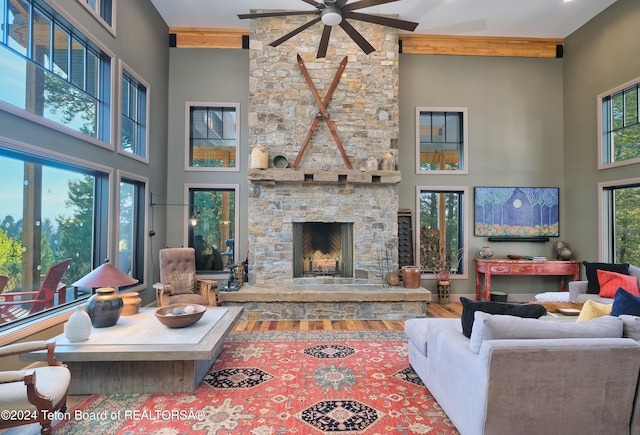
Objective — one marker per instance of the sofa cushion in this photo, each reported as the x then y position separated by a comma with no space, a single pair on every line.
630,326
592,310
591,269
499,327
625,303
469,307
611,281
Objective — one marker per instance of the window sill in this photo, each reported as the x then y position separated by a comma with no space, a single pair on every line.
35,326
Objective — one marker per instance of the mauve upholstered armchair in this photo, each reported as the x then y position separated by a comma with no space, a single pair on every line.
178,281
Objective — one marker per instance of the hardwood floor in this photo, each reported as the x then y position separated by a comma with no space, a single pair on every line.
451,310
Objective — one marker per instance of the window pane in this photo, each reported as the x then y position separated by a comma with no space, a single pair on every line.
48,216
93,77
440,230
77,63
213,236
620,123
626,225
213,136
631,107
440,141
41,39
134,115
2,21
60,52
19,26
131,238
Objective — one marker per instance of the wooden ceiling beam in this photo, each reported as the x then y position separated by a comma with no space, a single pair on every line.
481,45
192,37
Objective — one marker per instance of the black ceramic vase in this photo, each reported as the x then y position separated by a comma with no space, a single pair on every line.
104,308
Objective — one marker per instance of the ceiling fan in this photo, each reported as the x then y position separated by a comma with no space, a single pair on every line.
333,13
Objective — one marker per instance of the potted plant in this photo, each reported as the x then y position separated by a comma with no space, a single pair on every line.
442,264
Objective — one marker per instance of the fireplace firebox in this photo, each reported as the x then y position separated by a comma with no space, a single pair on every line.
322,249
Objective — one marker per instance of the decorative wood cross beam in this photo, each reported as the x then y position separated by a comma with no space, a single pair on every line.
322,112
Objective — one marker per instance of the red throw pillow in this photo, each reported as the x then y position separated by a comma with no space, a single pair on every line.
611,281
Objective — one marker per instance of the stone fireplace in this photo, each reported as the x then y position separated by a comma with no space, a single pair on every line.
351,212
356,207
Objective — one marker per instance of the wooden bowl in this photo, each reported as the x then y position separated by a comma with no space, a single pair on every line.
514,257
181,319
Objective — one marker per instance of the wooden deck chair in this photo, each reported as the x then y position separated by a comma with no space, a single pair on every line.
11,305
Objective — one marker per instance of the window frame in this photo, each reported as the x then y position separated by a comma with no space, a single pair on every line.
102,249
603,162
187,148
98,15
104,135
236,221
123,69
464,161
606,218
142,226
464,227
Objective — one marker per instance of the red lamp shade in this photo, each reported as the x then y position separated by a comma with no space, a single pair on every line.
105,275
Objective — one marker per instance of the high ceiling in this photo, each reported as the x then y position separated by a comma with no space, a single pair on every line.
515,18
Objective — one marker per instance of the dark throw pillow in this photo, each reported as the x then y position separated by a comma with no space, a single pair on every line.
469,307
591,270
625,303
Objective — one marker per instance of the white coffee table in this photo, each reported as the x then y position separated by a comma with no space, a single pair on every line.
141,355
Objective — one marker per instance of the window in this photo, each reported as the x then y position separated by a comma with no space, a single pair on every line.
213,235
621,221
442,220
102,8
441,135
213,136
133,128
131,248
52,70
619,126
50,212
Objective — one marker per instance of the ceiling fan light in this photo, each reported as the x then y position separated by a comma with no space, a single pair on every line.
331,16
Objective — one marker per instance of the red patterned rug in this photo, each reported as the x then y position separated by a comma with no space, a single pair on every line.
306,382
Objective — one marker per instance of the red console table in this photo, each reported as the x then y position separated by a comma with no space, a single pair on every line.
523,267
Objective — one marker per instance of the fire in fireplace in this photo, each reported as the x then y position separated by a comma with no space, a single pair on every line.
322,249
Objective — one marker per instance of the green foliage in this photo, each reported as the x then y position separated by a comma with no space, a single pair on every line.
10,260
627,225
76,232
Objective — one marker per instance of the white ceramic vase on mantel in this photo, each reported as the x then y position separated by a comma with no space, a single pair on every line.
78,327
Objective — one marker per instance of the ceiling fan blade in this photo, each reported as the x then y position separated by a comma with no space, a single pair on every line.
275,14
314,3
324,42
295,32
385,21
357,37
365,4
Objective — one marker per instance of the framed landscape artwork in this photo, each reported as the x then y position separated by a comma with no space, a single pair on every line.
517,212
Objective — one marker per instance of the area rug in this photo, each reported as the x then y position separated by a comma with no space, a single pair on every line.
283,382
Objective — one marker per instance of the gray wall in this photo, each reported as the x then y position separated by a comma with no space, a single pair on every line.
515,139
599,56
205,76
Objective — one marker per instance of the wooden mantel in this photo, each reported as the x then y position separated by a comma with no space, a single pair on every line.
322,176
191,37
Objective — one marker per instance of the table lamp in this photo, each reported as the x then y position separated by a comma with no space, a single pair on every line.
104,307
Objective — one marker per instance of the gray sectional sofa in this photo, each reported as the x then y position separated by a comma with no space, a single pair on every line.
578,289
531,376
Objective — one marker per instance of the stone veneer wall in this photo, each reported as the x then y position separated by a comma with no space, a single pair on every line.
365,111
